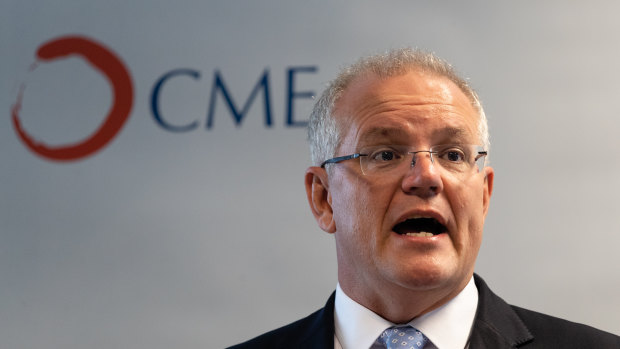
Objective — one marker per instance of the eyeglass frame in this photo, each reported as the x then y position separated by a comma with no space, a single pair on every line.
338,159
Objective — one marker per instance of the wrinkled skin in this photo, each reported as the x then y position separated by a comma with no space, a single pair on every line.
377,267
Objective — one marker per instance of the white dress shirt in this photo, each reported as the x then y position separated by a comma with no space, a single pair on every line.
446,327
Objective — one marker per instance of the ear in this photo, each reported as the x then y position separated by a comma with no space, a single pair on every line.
489,174
319,198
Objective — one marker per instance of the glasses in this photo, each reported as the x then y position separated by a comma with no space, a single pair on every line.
393,159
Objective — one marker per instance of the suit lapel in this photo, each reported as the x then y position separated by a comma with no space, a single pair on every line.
496,324
320,333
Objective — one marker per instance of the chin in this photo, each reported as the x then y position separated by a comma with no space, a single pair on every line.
428,277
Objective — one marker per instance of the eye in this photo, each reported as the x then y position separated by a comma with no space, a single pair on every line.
452,154
384,154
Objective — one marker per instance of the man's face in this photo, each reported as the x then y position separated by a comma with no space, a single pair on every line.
371,214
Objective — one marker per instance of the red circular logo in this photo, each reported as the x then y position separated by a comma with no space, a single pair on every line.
111,67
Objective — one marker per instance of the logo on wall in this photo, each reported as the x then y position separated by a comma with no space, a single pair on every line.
108,64
112,68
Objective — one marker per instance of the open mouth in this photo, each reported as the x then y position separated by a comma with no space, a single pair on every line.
423,227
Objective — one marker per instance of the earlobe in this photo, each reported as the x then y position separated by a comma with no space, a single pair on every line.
319,198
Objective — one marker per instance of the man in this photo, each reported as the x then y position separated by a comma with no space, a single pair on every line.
399,143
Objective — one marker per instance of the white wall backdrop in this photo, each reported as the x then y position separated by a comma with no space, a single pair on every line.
203,238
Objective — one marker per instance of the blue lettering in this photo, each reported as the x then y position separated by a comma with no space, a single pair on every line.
218,85
294,94
155,101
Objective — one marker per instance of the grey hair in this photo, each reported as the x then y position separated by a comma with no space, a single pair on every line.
323,132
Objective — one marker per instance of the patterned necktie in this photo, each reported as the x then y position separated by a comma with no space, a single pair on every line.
402,337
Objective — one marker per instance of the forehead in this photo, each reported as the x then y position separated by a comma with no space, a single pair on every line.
415,106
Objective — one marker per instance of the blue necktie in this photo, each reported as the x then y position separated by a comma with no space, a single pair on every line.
402,337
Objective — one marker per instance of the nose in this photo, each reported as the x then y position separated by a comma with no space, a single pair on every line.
423,177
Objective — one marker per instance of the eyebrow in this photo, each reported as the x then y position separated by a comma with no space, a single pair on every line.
453,133
382,133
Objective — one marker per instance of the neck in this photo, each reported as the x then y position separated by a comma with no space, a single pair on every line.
399,304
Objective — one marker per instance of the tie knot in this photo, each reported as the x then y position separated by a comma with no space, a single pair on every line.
402,337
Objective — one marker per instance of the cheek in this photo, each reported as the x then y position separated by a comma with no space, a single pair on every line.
353,225
359,208
469,212
347,200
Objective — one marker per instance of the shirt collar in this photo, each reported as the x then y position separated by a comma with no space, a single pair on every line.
355,325
446,327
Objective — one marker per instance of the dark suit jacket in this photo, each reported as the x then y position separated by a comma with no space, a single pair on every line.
497,325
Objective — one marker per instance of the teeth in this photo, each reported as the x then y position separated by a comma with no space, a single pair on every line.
420,234
416,217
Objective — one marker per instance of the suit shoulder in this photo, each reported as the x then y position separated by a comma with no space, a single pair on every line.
551,332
